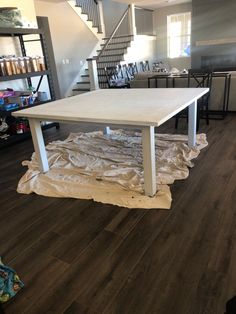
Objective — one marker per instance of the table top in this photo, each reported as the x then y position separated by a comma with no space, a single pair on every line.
134,107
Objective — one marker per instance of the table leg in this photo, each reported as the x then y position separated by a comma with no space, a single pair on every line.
192,124
228,92
107,130
149,163
39,145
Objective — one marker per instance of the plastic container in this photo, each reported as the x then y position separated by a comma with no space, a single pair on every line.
17,65
37,63
42,66
42,96
28,64
22,67
2,68
34,64
8,66
13,65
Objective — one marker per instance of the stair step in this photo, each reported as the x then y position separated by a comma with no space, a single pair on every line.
113,49
85,75
79,6
83,82
121,36
76,92
81,89
82,12
102,64
117,43
118,59
92,22
114,55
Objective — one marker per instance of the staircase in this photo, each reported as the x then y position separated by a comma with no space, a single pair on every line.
111,51
112,55
91,9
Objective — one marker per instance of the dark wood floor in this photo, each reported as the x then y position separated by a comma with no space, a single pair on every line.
78,256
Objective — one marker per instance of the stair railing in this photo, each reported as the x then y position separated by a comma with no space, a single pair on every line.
113,33
92,62
91,8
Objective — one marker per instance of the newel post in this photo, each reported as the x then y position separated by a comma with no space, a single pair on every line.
101,17
131,16
93,74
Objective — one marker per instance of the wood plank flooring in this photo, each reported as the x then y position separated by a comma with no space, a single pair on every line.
78,256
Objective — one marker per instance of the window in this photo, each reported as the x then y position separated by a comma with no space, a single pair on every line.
178,35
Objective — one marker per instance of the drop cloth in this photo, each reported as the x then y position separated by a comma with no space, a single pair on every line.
108,168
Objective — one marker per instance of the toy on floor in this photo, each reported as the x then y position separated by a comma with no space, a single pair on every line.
10,283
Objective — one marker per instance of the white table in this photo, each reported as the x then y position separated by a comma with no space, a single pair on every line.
143,109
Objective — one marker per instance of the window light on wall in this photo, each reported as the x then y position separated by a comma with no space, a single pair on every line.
178,35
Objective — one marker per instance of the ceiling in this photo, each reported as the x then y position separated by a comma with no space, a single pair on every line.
153,4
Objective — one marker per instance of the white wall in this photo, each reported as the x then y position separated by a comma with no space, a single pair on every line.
71,38
112,12
160,28
141,49
144,21
214,20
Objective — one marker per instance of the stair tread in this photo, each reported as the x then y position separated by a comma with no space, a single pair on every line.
92,21
114,61
121,42
121,36
83,82
114,55
111,49
81,89
82,12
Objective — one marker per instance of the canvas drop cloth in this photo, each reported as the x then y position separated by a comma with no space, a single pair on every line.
108,168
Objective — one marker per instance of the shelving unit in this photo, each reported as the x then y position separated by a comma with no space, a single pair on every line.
22,76
44,37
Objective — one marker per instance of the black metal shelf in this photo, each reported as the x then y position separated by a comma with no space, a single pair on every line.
22,76
44,37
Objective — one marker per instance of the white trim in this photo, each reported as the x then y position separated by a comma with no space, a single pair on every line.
213,42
